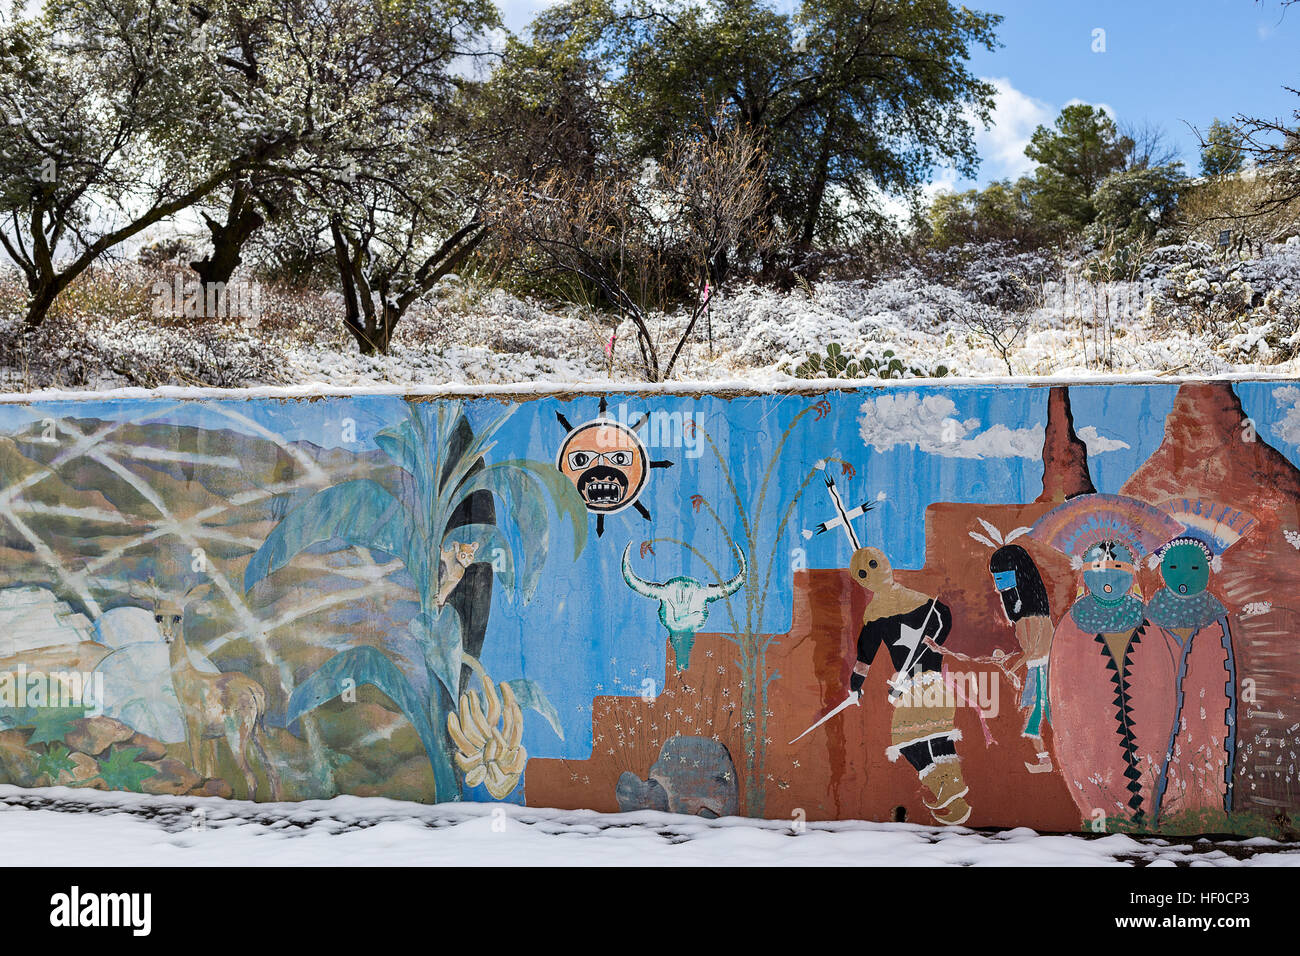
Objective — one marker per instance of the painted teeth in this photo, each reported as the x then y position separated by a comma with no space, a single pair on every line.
604,489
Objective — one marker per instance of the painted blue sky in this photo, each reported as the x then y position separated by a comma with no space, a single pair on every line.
1177,65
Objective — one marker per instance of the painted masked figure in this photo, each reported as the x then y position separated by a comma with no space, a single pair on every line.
1189,664
1104,730
1024,601
923,729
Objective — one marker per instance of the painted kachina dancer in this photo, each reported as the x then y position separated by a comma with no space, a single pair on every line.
912,626
1024,602
923,727
1189,663
1101,716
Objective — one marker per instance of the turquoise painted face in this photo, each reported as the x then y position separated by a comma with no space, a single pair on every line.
1186,569
1108,572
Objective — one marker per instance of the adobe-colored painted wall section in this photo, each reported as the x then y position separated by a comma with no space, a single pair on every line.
1000,604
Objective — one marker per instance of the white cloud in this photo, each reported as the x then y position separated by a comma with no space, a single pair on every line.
1097,442
931,424
1288,399
1001,147
1015,117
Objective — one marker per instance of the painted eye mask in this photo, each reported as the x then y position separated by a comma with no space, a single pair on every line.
607,464
1004,580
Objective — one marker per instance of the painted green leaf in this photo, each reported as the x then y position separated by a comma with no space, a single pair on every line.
55,762
399,443
52,723
121,771
439,634
530,695
360,512
478,448
515,483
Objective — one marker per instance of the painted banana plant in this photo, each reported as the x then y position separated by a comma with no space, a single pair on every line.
441,465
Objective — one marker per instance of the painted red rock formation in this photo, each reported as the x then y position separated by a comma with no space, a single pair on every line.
1065,456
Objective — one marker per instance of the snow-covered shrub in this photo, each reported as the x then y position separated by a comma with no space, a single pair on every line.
1253,304
1163,258
92,353
998,274
172,249
114,291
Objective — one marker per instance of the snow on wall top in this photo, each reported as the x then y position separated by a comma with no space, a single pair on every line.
527,390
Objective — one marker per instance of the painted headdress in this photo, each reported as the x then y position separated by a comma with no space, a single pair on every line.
1081,523
1210,525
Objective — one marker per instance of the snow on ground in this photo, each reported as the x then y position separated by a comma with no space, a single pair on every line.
1189,313
58,826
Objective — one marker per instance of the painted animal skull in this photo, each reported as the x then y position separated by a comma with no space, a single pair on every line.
683,602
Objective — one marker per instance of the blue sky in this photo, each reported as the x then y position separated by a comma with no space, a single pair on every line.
1168,63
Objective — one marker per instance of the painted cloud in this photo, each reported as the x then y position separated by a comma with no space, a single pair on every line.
1288,399
931,424
1097,442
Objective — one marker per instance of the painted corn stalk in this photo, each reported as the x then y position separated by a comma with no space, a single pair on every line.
441,467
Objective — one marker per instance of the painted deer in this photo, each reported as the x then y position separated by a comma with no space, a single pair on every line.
230,705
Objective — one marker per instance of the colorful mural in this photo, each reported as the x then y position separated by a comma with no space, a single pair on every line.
992,605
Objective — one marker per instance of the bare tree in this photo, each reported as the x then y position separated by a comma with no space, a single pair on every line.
1149,145
1274,147
633,234
715,189
1000,328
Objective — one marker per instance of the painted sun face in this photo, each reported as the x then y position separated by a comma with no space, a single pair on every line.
1186,569
606,462
1108,572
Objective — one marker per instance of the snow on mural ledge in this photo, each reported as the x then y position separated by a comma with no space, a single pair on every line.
1054,604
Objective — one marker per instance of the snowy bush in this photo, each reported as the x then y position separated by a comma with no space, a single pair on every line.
1253,304
77,353
997,274
1190,311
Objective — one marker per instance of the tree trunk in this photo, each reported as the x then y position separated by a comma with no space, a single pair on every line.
362,331
39,301
821,174
242,220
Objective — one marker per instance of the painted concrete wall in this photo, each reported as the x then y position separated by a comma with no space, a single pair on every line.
1032,605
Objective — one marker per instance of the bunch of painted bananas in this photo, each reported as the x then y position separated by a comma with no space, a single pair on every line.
489,754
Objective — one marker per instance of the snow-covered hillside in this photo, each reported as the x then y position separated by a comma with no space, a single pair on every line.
1186,312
